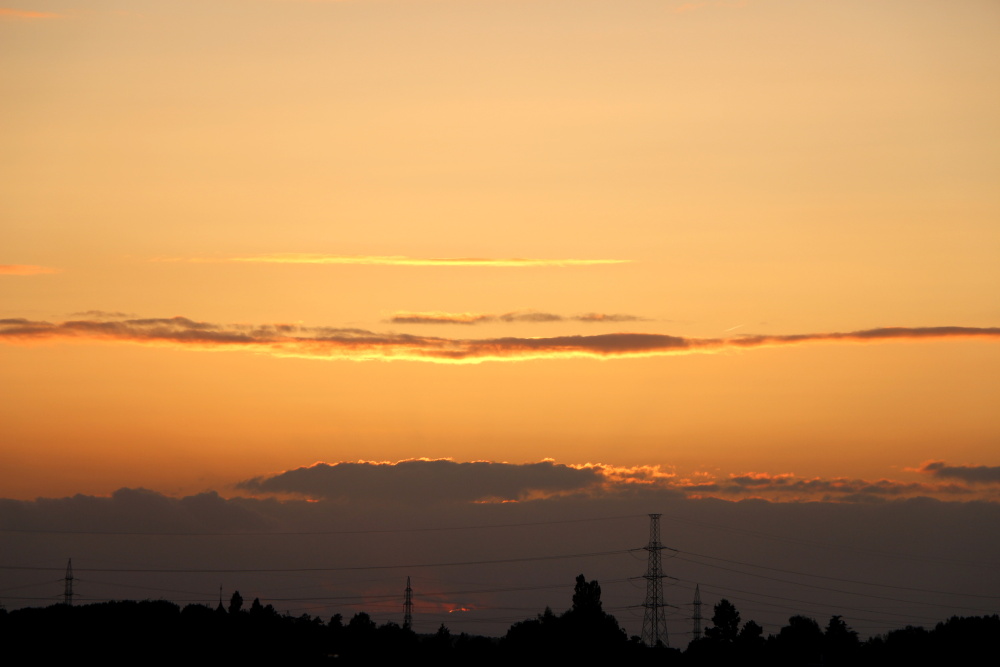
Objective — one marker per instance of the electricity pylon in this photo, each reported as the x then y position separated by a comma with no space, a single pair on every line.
697,612
654,621
408,607
68,591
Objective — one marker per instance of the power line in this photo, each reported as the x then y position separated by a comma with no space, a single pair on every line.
827,545
728,590
324,569
836,590
373,531
820,576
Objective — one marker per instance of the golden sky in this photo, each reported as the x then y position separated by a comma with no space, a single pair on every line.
714,237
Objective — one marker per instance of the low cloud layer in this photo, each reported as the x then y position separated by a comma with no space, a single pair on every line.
129,510
974,474
288,340
399,260
428,481
790,487
423,481
519,317
363,528
785,487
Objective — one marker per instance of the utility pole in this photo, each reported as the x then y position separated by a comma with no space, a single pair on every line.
68,591
408,607
654,621
697,612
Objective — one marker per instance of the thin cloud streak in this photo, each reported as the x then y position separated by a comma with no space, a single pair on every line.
400,260
25,270
102,314
441,318
291,340
26,15
436,317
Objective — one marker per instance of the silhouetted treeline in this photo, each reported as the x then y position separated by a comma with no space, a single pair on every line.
160,632
803,642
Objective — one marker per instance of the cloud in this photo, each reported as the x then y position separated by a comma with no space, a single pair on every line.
790,487
103,314
423,481
289,340
436,317
26,15
639,475
129,510
24,269
974,474
400,260
440,318
606,317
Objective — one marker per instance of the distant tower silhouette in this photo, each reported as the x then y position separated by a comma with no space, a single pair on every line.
654,621
408,607
697,612
68,591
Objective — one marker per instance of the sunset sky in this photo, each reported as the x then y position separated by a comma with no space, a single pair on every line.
706,249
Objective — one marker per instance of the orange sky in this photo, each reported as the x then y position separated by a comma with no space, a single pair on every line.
380,172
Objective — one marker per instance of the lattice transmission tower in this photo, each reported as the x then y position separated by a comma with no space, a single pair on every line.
697,612
654,621
68,591
408,607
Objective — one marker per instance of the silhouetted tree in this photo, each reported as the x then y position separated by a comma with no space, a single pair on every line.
750,633
584,631
966,641
840,642
442,638
800,642
587,630
361,624
726,622
910,645
586,596
718,646
534,637
235,603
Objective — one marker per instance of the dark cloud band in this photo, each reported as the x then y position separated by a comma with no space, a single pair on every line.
974,474
359,344
428,481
